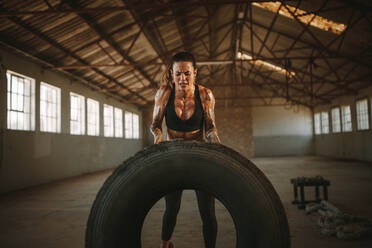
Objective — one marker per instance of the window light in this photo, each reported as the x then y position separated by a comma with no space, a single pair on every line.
20,102
131,125
317,123
128,125
50,108
325,122
270,66
362,114
108,121
77,114
336,122
346,119
306,18
92,117
118,123
135,126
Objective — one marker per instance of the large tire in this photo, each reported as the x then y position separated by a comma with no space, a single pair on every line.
121,205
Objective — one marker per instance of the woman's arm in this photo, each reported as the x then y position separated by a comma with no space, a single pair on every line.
161,100
211,134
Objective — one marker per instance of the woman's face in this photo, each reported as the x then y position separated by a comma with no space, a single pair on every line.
184,74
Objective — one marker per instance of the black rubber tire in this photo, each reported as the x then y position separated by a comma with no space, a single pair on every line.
121,205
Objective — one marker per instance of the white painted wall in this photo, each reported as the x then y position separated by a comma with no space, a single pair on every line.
277,120
32,157
280,131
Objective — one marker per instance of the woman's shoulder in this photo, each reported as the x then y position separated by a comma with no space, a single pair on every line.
163,92
204,91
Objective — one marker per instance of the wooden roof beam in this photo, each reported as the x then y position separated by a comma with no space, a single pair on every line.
102,34
53,43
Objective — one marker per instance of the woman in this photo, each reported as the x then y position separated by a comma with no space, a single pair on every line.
188,108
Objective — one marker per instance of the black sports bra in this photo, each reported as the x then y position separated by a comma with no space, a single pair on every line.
195,122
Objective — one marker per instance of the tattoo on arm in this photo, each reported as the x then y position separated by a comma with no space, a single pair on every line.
158,93
210,124
158,115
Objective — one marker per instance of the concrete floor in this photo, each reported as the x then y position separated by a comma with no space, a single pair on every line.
55,214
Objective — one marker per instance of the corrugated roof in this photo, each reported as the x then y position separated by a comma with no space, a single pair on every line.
119,47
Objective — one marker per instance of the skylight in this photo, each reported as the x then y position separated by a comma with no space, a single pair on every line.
272,67
303,16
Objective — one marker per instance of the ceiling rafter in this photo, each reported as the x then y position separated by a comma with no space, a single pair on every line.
320,56
329,52
324,47
142,5
241,24
94,41
359,79
233,47
157,31
107,53
135,39
156,45
266,78
324,66
46,39
24,50
170,52
101,33
162,55
211,32
179,28
268,32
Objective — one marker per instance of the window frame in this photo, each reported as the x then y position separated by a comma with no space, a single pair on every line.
133,134
321,122
315,124
58,108
32,101
116,135
128,130
136,133
339,119
368,114
82,113
112,126
342,119
97,117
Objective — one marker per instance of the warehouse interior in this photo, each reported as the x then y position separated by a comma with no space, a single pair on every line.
291,79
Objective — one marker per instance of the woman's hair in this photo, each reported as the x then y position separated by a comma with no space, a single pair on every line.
181,56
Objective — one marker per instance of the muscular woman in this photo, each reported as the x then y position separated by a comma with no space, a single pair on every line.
188,108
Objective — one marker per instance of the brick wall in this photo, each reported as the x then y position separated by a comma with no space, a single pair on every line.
234,126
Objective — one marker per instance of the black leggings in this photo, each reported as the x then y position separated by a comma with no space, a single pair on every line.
207,213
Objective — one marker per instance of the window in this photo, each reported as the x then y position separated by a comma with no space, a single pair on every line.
108,124
135,126
362,114
21,102
112,121
93,117
325,122
336,122
77,118
346,119
317,123
131,125
128,125
50,108
118,123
